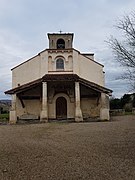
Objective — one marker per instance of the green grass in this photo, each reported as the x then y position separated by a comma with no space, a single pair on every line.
4,117
122,114
128,113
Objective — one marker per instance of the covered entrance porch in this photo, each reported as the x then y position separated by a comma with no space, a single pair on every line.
61,96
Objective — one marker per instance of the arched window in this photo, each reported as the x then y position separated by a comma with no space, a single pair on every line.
60,64
60,44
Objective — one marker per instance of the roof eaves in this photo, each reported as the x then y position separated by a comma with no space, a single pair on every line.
23,87
60,77
28,60
95,86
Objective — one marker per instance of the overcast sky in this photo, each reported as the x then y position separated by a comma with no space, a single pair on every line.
25,23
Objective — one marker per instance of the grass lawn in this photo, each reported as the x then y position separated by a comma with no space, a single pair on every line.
4,117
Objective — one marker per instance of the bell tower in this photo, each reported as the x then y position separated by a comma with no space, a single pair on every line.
60,40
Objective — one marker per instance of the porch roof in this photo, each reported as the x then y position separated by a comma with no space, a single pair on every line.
59,77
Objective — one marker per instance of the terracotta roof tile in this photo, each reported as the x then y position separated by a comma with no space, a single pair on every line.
59,77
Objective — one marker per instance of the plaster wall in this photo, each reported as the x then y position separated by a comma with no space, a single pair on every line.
76,62
52,107
66,55
91,71
53,40
90,108
32,107
30,70
45,63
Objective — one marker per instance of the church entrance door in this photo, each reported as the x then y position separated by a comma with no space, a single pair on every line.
61,108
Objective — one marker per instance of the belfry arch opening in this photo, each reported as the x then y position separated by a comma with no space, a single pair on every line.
60,44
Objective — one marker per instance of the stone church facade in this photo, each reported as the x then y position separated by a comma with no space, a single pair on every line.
59,83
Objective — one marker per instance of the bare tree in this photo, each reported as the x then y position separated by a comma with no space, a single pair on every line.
124,50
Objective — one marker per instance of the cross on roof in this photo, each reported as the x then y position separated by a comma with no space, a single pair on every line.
60,31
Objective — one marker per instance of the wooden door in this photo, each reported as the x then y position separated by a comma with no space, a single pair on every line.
61,108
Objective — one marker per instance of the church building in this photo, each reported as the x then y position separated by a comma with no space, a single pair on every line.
59,83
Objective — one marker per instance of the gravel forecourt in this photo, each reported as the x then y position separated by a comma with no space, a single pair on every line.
68,151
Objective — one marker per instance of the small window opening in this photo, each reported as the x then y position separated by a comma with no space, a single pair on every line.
60,64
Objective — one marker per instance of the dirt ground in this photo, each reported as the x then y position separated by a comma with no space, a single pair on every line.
68,151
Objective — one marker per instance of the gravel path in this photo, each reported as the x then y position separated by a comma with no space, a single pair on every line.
68,151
